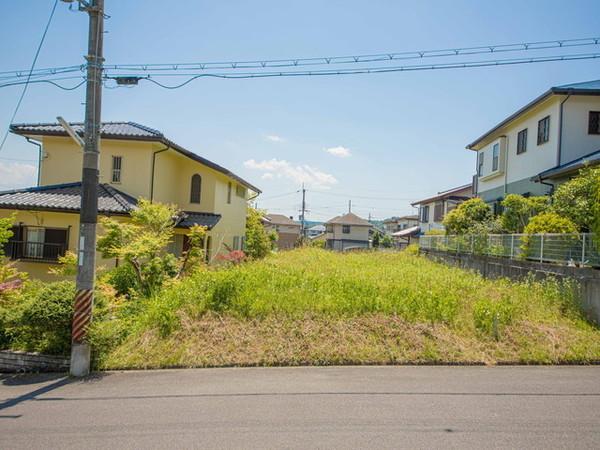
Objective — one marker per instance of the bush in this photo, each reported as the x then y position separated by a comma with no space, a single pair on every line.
259,243
41,318
517,210
577,199
548,222
468,214
123,279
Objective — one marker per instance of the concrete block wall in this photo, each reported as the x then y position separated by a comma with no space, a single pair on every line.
495,267
11,362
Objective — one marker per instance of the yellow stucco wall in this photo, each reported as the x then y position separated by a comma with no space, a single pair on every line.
62,161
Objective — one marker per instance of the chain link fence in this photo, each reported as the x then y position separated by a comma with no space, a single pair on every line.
568,249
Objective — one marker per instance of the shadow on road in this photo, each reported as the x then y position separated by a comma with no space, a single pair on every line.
58,380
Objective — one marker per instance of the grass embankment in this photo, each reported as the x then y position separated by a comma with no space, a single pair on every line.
316,307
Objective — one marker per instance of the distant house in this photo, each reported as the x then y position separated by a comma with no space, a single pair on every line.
432,210
288,231
347,232
540,145
394,224
315,231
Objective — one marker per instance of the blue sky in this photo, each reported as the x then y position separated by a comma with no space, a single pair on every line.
405,132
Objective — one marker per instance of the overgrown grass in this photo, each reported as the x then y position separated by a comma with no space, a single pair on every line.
311,306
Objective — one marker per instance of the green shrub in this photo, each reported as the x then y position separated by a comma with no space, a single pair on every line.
42,319
517,210
544,223
123,279
577,199
469,213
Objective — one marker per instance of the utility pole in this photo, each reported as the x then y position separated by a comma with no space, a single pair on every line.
349,206
303,216
86,265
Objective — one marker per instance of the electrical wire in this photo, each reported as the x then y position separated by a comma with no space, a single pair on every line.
52,82
35,58
371,70
357,59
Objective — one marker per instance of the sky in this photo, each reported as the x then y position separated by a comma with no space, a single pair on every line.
380,140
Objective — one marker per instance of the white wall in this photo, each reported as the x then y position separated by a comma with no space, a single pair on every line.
576,141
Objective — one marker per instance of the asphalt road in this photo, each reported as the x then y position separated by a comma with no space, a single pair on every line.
331,407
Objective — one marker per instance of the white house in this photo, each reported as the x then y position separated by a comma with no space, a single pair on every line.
432,210
347,232
541,144
395,224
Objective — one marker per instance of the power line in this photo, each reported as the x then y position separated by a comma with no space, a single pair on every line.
368,70
52,82
37,53
358,59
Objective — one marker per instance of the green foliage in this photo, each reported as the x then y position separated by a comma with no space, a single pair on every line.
67,265
469,213
517,210
123,279
39,318
377,237
550,222
435,232
142,245
259,243
577,199
387,242
490,316
5,231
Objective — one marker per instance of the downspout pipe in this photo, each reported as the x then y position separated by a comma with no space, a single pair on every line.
39,146
560,130
153,169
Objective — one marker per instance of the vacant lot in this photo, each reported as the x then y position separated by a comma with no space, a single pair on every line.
316,307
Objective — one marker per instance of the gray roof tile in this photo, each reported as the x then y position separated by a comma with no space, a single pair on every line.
66,197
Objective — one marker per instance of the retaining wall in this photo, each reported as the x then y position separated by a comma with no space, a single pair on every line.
11,361
496,267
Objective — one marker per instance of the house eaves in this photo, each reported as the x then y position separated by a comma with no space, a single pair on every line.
593,88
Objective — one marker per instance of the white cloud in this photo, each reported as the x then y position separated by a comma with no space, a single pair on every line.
274,138
279,168
268,176
340,152
17,175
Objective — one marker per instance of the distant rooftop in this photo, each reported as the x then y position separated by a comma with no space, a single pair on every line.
280,219
454,193
125,131
349,219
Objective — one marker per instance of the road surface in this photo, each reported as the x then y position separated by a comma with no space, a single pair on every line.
328,407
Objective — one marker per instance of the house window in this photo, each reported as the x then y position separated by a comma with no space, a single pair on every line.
479,166
117,164
425,213
196,188
329,228
240,191
543,134
229,187
438,211
236,243
346,229
594,122
495,156
522,141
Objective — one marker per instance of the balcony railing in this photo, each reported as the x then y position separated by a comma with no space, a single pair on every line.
34,251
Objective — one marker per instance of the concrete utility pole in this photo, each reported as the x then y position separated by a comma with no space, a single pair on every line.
86,266
302,217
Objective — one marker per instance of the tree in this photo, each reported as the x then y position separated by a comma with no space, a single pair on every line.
577,199
387,241
376,239
142,244
517,210
469,213
259,243
5,231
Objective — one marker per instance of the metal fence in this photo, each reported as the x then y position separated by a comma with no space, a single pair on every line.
569,249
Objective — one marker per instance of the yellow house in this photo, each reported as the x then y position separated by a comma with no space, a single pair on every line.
135,162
